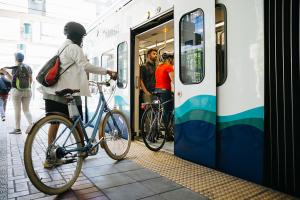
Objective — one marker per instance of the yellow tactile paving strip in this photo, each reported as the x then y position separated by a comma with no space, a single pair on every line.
207,182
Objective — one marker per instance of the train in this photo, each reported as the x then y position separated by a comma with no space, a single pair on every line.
236,82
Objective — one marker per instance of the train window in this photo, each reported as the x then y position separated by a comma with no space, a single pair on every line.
122,64
192,47
107,61
221,44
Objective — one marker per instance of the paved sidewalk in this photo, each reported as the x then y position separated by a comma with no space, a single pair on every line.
3,165
101,178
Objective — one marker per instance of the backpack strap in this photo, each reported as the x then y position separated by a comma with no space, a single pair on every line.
66,69
69,65
62,50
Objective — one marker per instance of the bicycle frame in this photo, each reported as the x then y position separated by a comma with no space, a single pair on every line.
101,107
160,106
158,111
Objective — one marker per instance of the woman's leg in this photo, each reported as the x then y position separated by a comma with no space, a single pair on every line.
166,106
16,99
167,112
2,111
5,102
25,104
52,132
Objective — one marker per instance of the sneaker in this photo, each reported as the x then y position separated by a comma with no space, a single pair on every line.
16,131
3,118
48,164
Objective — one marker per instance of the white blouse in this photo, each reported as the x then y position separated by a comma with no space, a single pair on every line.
75,77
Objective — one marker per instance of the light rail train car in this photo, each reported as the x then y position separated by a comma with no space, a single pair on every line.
236,77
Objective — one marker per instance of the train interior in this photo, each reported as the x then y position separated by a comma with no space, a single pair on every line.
162,39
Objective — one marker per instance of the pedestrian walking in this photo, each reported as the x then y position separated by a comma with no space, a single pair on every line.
21,79
5,86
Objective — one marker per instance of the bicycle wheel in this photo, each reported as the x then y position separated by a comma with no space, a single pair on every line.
153,133
62,169
116,134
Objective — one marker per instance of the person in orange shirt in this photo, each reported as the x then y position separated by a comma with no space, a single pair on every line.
164,76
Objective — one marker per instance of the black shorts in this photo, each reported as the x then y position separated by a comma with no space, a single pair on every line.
53,106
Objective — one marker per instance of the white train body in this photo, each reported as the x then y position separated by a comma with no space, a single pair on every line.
218,126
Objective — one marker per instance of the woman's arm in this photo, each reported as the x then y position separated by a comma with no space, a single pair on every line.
171,75
8,76
77,55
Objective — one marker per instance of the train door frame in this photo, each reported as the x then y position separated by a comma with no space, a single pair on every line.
134,80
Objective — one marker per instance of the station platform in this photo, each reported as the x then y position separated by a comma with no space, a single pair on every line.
142,175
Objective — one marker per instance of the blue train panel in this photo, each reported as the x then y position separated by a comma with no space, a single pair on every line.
195,130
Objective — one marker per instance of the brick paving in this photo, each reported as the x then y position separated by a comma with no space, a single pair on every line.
101,177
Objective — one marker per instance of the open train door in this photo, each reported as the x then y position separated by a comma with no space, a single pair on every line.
195,81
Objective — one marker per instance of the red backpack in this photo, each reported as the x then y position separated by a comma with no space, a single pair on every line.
50,72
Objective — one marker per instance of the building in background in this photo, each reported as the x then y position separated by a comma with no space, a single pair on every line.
35,27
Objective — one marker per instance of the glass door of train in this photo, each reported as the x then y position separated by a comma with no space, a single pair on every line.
195,81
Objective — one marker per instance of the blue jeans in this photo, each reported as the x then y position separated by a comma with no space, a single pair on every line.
3,100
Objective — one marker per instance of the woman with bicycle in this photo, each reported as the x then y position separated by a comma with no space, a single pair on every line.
164,76
72,56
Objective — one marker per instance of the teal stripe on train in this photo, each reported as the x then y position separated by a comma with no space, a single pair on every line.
253,117
122,105
201,107
120,101
252,113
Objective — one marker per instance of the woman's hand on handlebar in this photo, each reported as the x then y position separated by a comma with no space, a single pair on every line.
113,75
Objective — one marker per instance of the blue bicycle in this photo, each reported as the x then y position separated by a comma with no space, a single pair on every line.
72,144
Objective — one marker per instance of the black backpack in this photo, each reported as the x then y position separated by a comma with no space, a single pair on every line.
21,77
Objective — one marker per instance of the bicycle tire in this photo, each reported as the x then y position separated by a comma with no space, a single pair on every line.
153,147
28,158
106,144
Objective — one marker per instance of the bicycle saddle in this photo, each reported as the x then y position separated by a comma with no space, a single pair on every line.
66,91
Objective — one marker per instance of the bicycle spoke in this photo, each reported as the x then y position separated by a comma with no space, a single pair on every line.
116,135
153,136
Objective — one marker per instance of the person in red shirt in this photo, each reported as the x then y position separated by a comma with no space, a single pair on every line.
164,76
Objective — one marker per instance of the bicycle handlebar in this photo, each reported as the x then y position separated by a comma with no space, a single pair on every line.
105,83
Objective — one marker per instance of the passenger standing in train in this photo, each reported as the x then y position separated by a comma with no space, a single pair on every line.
148,75
164,76
71,54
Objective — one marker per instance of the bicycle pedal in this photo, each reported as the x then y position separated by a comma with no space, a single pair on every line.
92,151
83,155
